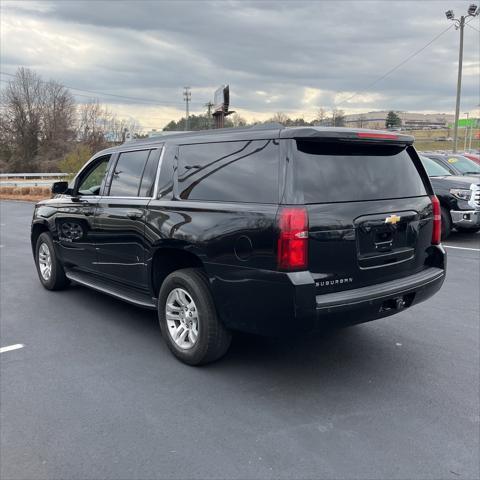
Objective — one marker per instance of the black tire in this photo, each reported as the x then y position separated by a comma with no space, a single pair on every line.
467,230
446,223
213,338
57,279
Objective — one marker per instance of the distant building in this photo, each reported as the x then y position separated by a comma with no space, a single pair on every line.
410,120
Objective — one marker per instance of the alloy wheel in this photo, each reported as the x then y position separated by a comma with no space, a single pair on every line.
45,261
182,318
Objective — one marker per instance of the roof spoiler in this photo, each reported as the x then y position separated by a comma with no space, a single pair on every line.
347,134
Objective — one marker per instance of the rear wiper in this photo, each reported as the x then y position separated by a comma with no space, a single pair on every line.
469,173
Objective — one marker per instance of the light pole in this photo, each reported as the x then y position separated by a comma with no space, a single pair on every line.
187,96
460,24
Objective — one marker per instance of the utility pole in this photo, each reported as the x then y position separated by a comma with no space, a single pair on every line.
473,11
459,85
209,106
187,96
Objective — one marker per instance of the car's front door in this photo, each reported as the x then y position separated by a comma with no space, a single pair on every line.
75,218
120,217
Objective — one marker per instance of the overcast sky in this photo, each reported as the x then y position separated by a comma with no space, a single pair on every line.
288,56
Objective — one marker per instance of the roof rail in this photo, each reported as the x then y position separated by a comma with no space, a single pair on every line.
267,126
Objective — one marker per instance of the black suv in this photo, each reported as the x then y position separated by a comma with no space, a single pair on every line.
266,230
459,197
455,164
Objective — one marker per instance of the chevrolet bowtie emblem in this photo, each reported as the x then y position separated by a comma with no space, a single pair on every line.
392,219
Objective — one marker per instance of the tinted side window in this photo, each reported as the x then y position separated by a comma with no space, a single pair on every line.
149,174
128,173
338,172
229,172
92,179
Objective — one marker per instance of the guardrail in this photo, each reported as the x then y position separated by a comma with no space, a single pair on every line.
30,179
27,183
33,175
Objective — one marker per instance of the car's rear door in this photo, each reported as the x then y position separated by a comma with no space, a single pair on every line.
369,211
120,217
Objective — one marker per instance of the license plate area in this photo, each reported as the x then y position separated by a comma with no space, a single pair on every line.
386,239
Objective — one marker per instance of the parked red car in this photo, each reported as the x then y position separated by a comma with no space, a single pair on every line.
472,156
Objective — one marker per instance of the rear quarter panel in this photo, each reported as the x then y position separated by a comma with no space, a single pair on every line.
236,244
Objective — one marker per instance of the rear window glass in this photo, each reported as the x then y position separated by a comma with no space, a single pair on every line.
433,168
342,172
244,171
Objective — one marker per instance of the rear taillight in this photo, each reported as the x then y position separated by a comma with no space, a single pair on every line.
377,136
293,239
437,221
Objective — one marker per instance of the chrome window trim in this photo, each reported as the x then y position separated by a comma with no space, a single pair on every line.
125,198
157,176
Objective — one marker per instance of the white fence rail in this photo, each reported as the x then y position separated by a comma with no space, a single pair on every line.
30,179
33,175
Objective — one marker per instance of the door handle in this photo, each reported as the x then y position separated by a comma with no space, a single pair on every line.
134,215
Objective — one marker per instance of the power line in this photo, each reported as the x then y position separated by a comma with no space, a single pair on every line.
473,28
125,97
403,62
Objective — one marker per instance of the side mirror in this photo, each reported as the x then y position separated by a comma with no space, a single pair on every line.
59,188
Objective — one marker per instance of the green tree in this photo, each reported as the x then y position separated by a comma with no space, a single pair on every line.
393,120
76,159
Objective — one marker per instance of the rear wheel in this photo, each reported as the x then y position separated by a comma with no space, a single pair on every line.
446,223
188,318
467,230
50,270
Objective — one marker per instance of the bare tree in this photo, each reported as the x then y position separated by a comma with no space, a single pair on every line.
91,125
58,115
238,121
41,124
338,118
22,106
281,118
321,116
97,126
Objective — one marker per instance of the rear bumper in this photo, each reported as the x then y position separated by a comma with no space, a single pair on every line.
377,301
378,293
276,303
465,218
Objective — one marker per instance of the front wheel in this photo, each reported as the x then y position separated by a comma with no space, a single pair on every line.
188,318
446,223
50,270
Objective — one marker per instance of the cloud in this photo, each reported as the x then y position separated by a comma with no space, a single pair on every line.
277,56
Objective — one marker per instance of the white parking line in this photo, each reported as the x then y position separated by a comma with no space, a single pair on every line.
463,248
11,347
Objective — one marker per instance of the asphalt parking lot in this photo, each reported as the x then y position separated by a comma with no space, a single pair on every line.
94,393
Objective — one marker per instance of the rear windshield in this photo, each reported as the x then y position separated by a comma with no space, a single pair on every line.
350,172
